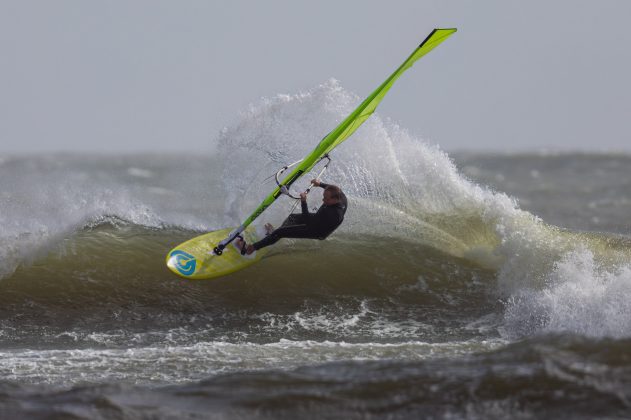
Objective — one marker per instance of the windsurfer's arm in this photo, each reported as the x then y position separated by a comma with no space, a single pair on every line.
317,183
303,203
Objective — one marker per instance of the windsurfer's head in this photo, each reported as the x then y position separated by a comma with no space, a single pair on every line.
332,195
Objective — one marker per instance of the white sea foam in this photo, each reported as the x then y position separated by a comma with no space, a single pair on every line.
186,363
42,207
141,173
400,181
579,295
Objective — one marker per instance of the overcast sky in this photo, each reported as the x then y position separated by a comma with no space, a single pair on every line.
150,75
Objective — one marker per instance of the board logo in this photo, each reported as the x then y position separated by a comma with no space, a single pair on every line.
184,262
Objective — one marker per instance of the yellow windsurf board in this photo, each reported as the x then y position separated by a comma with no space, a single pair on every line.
195,258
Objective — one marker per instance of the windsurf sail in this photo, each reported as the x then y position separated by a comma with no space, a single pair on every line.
340,133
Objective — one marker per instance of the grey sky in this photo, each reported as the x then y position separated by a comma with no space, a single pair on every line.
128,76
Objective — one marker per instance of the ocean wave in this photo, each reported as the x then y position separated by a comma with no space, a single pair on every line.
95,229
114,260
564,376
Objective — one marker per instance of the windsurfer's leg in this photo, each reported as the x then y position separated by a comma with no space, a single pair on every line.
296,231
294,219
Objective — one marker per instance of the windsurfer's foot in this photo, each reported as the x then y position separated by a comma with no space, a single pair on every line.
239,243
269,228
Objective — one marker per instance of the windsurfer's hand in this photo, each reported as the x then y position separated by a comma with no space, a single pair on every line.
315,182
303,196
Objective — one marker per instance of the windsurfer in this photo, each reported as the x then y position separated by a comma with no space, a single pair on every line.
306,225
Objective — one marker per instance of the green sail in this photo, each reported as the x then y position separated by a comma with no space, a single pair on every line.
347,127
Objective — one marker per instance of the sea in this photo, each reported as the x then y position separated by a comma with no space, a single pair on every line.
461,285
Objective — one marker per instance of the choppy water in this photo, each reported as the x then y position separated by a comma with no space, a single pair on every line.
462,286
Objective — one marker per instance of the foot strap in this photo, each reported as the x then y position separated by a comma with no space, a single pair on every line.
244,248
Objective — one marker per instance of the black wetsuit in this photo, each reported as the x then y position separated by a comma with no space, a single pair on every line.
307,225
